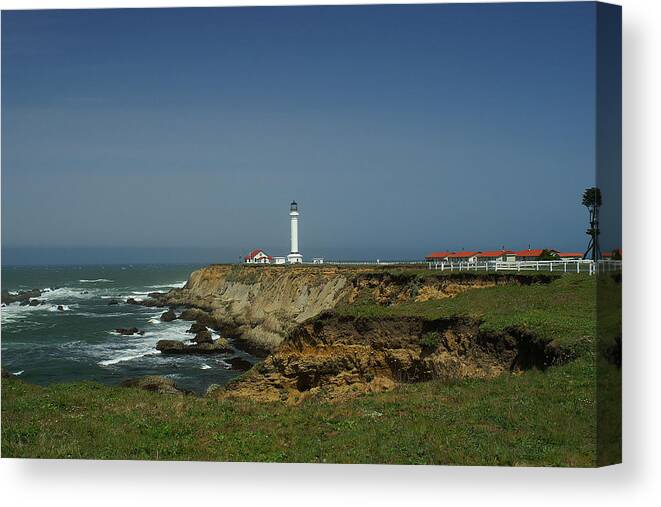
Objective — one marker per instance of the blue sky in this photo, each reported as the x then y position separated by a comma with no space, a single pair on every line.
398,129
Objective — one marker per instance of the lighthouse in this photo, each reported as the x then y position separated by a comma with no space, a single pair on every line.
294,257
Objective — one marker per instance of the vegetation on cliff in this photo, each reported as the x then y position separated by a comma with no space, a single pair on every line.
537,418
531,416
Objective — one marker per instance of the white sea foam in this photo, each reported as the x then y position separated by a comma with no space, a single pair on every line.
18,372
127,357
54,308
97,280
104,315
119,350
173,285
205,367
15,313
68,293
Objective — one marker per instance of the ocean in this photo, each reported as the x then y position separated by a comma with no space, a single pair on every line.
43,344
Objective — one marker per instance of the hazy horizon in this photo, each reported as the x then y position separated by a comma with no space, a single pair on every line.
181,135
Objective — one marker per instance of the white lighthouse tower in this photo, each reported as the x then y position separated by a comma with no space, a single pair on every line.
294,257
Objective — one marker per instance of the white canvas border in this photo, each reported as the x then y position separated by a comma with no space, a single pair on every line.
72,483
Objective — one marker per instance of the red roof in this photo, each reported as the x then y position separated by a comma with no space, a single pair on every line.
438,255
570,254
254,254
495,253
462,255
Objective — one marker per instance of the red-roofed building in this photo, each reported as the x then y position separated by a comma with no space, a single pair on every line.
497,255
463,256
438,256
531,254
257,256
570,256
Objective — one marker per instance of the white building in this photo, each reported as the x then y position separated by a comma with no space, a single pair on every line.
257,256
280,260
294,256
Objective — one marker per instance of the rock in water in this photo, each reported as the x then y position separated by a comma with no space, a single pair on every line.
60,308
203,318
239,364
196,327
170,346
129,331
168,316
153,383
114,302
177,347
22,297
203,336
35,302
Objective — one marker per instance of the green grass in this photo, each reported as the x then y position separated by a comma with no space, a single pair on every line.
531,419
563,310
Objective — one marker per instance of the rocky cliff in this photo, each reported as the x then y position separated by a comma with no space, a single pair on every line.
338,356
259,306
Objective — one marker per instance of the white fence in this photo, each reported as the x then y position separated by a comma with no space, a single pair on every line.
558,266
562,266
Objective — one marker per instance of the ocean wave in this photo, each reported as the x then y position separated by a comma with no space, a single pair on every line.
127,357
97,280
68,293
105,315
20,372
205,366
173,285
16,313
64,308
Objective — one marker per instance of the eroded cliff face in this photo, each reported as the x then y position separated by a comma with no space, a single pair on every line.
335,357
260,305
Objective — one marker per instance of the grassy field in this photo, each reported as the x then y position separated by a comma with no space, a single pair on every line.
532,418
563,310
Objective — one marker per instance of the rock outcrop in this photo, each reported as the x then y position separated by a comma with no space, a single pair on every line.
168,316
340,356
220,345
23,296
239,364
203,336
258,306
130,331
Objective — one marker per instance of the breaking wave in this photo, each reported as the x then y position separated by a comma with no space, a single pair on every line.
173,285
